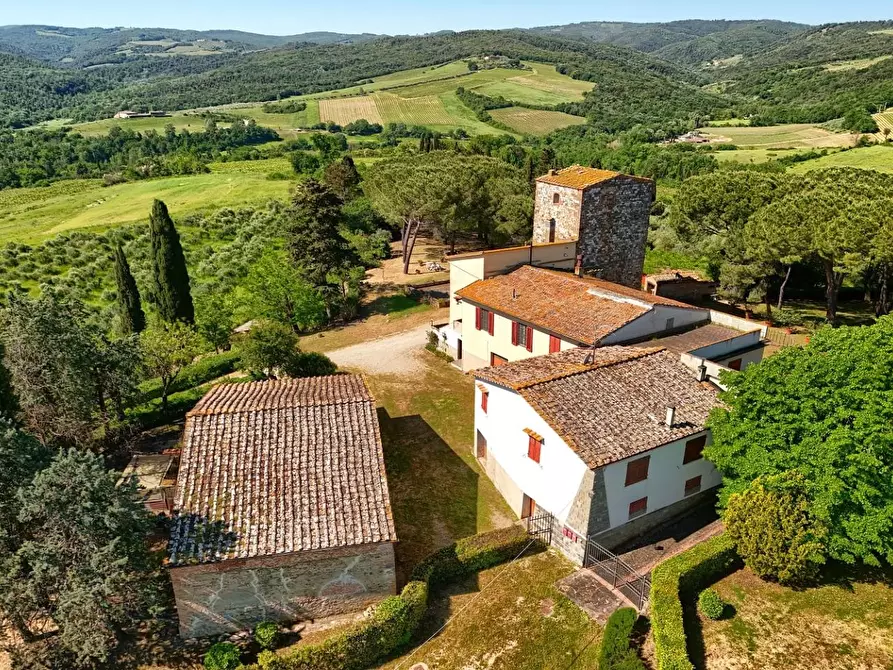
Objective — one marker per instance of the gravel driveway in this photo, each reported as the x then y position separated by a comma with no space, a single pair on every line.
393,355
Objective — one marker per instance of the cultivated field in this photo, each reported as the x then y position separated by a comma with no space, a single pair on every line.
877,157
422,96
795,135
859,64
754,155
344,110
34,214
534,121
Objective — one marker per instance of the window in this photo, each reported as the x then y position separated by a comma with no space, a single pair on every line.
694,449
554,344
481,451
483,319
497,360
638,507
670,323
734,365
534,447
522,335
556,198
485,400
637,471
692,485
551,230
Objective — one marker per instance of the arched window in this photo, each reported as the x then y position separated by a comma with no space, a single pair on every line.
556,198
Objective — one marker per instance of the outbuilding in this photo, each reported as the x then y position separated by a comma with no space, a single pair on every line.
282,505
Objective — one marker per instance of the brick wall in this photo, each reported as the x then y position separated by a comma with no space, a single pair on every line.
238,593
614,229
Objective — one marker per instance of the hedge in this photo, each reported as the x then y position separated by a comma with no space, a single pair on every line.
200,372
616,651
678,578
396,618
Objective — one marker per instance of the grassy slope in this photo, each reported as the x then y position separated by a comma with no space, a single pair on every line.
534,121
798,135
33,214
542,85
868,158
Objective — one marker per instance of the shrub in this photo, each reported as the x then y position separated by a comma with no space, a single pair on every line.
222,656
310,364
616,652
711,605
681,577
773,530
266,633
787,317
395,619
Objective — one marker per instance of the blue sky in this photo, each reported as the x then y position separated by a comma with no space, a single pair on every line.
283,17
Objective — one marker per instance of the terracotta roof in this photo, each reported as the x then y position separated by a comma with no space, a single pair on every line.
614,407
278,467
583,309
676,275
487,252
579,177
695,339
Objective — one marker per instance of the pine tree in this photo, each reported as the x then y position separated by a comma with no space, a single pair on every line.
170,277
133,320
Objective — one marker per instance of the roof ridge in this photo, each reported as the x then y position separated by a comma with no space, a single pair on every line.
642,353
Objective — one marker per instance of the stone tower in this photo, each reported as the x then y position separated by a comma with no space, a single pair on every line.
606,212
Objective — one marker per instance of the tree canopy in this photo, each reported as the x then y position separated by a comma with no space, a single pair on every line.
824,412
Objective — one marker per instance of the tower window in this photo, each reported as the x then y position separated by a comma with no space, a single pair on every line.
552,229
556,198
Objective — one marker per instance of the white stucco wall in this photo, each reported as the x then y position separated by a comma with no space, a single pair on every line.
654,322
463,271
477,345
747,358
727,348
554,481
665,484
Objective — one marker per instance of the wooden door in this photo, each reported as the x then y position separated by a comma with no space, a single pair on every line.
528,506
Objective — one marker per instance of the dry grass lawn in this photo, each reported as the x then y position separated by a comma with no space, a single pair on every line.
794,135
534,121
826,628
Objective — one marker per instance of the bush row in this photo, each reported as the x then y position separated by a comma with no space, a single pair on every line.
678,578
200,372
395,619
616,651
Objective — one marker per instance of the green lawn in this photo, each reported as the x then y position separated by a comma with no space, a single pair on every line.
755,155
839,625
33,214
878,157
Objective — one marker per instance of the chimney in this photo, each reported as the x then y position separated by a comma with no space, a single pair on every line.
514,294
578,265
702,372
551,172
671,415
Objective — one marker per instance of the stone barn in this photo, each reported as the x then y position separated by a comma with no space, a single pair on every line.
282,506
606,212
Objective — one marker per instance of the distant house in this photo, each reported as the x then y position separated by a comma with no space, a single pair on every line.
129,114
282,505
126,114
607,440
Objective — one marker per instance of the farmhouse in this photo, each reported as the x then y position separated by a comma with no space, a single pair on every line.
283,507
606,440
532,311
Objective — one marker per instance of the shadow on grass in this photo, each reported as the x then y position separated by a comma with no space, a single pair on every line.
434,493
390,304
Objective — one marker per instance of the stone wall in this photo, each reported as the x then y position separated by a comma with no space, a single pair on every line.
614,229
236,594
566,212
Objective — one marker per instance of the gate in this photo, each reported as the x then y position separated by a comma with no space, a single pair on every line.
617,573
539,526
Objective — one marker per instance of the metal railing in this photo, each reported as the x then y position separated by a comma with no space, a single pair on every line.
618,573
540,525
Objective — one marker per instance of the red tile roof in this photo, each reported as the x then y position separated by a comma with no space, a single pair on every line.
278,467
613,405
580,177
583,309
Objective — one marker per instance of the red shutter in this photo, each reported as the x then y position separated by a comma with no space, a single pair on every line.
533,449
554,344
477,318
484,398
529,338
514,332
490,327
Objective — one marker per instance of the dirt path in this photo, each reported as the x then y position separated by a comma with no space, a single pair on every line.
395,354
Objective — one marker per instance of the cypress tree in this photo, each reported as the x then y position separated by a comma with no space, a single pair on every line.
133,320
170,277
